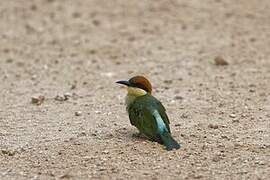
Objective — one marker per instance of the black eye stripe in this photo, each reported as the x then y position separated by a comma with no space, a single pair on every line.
139,86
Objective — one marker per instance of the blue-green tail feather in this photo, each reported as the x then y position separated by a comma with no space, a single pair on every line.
169,142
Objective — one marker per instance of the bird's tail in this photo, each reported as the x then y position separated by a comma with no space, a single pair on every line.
169,142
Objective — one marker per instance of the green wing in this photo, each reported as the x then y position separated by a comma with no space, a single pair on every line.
141,115
162,112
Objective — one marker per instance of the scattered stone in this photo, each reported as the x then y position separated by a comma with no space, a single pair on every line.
117,62
219,61
168,81
232,115
33,77
9,60
198,176
8,152
102,169
60,98
78,113
81,134
94,134
252,85
96,22
63,97
213,126
252,39
235,121
6,50
76,15
98,112
243,115
225,137
260,162
184,115
93,51
180,79
38,100
73,86
77,143
67,95
33,7
216,158
178,97
105,152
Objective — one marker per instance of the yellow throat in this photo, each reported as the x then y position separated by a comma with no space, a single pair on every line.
134,92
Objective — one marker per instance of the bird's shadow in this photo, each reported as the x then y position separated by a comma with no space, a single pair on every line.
139,136
129,134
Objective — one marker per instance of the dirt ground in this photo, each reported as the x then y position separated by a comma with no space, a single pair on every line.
78,49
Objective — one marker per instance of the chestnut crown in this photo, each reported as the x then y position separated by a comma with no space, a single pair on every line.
138,82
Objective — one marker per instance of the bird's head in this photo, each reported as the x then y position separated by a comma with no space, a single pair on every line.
137,86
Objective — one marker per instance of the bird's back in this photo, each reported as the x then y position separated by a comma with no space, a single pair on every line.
149,116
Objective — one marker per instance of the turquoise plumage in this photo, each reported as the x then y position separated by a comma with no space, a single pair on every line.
147,114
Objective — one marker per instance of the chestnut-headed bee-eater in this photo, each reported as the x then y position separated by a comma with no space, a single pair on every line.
146,113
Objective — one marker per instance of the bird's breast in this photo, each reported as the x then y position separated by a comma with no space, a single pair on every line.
129,99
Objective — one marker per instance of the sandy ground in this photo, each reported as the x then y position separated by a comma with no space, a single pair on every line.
220,114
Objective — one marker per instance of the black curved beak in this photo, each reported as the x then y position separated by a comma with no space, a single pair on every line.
124,83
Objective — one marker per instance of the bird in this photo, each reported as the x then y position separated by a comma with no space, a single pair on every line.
147,113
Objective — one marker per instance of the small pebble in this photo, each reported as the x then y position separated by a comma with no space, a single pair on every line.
213,126
219,61
232,115
59,98
67,95
184,116
235,120
168,81
96,22
98,112
38,100
9,60
176,125
63,97
260,162
105,152
8,152
73,86
78,113
178,98
76,15
225,137
216,158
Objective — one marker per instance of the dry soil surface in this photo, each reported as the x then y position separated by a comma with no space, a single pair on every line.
219,113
